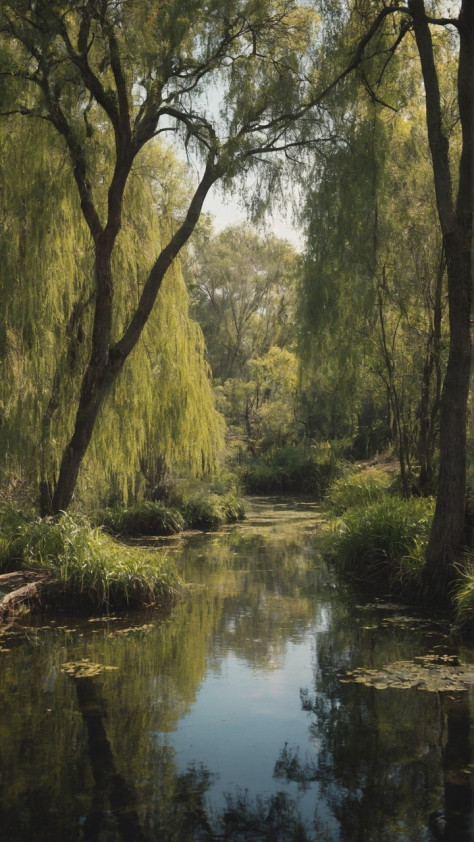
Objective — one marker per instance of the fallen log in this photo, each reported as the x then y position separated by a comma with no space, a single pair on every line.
24,588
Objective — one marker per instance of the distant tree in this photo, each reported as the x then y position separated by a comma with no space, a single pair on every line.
243,292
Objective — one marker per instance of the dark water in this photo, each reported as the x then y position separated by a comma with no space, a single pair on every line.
225,717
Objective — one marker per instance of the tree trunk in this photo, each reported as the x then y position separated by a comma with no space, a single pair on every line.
106,361
431,392
448,530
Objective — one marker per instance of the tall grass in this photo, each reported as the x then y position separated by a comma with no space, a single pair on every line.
87,568
383,543
463,597
358,488
147,518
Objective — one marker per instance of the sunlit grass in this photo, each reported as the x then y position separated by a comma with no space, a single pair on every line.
358,488
208,511
384,542
87,567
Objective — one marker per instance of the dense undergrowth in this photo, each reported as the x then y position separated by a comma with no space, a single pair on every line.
86,568
292,470
380,539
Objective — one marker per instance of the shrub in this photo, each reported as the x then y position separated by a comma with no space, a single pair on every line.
208,511
147,518
383,543
358,488
198,510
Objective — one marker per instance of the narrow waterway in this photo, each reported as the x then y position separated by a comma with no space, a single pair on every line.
271,703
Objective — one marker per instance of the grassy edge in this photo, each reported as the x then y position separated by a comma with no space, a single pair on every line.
87,569
379,539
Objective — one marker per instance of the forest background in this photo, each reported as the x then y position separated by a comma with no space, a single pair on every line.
137,344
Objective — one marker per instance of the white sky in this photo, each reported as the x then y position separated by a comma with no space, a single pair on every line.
228,211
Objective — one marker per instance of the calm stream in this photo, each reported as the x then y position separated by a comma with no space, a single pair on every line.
225,717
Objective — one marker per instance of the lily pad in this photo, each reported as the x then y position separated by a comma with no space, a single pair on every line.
434,673
85,668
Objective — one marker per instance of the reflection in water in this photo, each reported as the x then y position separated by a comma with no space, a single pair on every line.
225,718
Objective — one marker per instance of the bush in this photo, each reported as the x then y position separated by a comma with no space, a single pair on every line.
209,511
87,568
198,510
383,543
291,470
359,488
147,518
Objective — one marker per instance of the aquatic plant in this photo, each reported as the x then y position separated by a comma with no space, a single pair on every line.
432,673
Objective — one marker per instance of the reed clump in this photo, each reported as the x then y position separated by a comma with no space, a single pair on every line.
87,568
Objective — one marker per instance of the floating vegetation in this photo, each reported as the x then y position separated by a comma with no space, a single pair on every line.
85,668
144,629
434,673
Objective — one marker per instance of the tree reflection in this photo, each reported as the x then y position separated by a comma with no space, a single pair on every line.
392,764
377,765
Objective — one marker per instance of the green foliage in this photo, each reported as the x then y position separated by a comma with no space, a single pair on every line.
208,511
146,518
228,81
199,510
463,597
88,569
162,406
383,543
372,303
358,488
291,470
243,292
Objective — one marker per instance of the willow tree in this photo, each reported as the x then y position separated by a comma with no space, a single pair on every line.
109,77
161,410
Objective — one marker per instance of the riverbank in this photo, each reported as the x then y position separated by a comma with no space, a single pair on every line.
70,564
378,539
65,563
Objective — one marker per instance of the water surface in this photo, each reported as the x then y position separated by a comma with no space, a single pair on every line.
229,716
